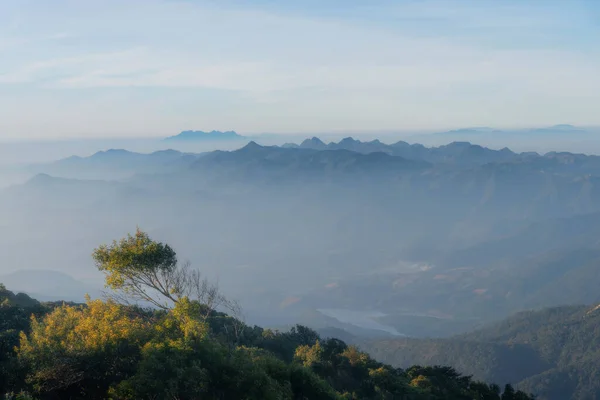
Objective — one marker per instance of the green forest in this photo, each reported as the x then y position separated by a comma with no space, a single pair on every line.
178,346
553,352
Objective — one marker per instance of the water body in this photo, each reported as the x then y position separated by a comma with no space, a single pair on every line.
361,319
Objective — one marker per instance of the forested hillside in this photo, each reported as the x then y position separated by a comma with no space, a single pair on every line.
296,233
183,348
553,353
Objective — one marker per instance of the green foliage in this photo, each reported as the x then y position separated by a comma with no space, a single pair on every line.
15,312
139,268
188,350
164,361
18,396
73,349
553,353
136,266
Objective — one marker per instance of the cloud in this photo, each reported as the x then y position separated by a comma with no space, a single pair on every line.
53,69
12,41
544,72
185,45
277,69
489,14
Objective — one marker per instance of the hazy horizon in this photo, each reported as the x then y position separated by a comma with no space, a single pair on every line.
165,66
334,133
320,199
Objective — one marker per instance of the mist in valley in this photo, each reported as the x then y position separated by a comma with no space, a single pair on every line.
426,241
315,200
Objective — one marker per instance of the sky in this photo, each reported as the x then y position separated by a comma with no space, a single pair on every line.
139,68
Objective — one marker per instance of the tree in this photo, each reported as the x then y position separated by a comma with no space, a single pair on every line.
509,393
139,268
187,350
78,352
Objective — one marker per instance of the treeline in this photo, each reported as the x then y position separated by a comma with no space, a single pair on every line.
183,349
553,352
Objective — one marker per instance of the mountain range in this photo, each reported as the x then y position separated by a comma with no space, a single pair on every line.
115,164
462,153
562,137
440,240
560,129
416,253
459,154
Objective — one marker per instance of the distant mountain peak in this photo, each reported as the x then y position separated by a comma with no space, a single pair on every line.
313,140
459,144
191,135
475,129
348,140
252,146
41,177
313,143
167,151
112,152
563,126
559,129
45,179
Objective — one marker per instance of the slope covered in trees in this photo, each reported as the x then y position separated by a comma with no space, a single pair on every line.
183,348
553,353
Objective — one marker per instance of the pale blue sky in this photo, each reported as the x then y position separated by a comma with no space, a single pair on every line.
93,68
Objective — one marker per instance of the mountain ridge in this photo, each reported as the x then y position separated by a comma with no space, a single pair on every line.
552,352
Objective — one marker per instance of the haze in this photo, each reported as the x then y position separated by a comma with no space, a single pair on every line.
154,68
408,176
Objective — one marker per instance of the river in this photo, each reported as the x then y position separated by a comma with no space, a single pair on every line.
361,319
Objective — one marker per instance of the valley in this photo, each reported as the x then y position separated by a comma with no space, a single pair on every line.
390,247
310,200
